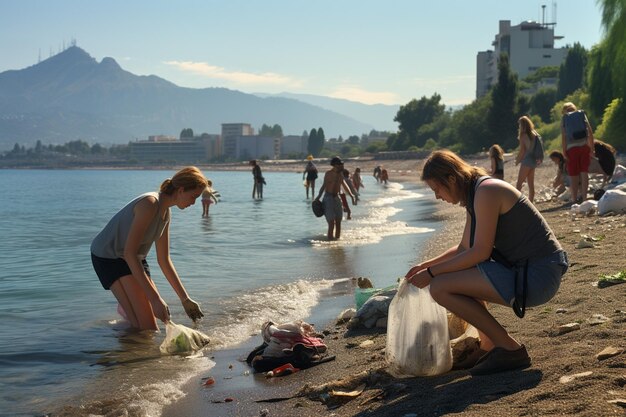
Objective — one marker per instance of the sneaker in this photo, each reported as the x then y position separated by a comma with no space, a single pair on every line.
501,360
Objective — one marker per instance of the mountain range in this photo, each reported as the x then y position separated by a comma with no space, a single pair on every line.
71,96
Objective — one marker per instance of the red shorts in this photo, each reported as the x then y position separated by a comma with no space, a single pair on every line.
578,160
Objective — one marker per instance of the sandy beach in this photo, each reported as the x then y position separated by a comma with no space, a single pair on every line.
567,376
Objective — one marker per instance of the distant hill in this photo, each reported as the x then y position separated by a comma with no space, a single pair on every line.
72,96
379,115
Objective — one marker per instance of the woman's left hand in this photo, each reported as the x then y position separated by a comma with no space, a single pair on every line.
192,309
421,279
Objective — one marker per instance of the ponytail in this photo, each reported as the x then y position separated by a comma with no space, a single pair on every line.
187,178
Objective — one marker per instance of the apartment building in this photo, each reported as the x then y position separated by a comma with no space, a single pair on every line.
529,45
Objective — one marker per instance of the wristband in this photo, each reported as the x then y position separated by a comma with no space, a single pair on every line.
430,272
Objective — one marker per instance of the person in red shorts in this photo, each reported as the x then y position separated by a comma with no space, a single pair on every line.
578,147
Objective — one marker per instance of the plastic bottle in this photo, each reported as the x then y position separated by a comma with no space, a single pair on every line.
286,369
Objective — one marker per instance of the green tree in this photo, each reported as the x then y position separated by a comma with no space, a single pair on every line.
186,133
541,103
467,131
572,71
411,117
502,116
315,143
614,44
599,81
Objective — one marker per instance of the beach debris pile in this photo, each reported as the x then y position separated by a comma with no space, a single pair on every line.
372,385
287,348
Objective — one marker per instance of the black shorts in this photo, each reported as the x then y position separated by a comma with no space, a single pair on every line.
110,270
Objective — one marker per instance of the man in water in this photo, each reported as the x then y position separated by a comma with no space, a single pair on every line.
333,209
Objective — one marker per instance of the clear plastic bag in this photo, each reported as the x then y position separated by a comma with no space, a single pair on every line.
182,339
418,342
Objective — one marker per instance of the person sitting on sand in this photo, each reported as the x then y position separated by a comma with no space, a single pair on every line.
561,179
118,252
496,156
463,278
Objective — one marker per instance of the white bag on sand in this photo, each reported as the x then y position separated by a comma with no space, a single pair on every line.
612,200
182,339
418,341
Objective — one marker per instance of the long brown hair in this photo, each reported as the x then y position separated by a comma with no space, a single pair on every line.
188,178
448,168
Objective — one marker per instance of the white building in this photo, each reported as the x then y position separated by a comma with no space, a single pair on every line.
293,144
529,45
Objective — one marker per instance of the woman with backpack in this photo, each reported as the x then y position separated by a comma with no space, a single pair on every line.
530,155
578,147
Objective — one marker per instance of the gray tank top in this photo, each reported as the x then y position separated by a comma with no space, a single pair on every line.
523,233
110,242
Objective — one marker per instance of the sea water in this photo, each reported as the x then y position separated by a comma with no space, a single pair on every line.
63,347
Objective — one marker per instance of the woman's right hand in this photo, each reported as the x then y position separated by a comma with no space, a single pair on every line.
161,310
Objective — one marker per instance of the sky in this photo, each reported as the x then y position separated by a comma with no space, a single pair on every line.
369,51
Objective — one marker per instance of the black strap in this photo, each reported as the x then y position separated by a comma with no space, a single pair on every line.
519,304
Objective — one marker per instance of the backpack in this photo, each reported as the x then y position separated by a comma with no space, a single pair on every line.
293,343
538,150
575,124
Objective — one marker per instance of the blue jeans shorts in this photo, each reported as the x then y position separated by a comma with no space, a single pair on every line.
544,278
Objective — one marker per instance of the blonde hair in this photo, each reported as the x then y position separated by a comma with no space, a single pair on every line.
496,152
526,126
447,168
568,107
188,178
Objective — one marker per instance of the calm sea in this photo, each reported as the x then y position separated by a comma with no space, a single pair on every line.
62,344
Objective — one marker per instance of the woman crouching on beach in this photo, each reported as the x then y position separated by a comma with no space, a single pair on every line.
118,252
463,278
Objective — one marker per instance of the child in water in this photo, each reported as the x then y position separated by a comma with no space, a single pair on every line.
208,198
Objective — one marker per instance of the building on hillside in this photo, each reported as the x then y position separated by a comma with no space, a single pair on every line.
161,148
529,45
294,145
231,131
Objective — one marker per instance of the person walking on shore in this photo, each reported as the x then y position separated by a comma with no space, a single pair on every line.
259,181
577,144
118,252
528,138
309,176
525,269
333,209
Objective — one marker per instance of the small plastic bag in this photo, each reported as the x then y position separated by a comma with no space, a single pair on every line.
182,339
418,342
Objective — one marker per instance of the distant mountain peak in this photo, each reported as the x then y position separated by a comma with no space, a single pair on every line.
109,63
73,54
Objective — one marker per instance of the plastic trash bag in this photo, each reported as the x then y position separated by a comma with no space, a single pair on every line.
612,200
182,339
418,342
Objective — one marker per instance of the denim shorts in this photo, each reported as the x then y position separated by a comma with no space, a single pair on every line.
544,278
110,270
